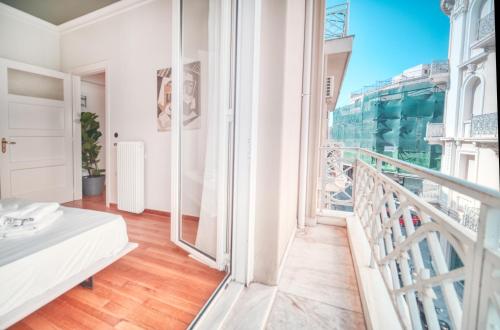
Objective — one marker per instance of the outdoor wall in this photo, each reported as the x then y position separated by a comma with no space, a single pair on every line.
281,51
487,168
26,39
134,44
93,88
489,72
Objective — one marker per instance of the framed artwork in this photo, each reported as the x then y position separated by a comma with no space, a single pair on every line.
164,99
191,109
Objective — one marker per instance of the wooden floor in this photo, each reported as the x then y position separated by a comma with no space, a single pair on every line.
156,286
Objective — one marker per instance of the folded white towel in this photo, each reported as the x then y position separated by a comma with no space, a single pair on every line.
8,208
29,214
29,228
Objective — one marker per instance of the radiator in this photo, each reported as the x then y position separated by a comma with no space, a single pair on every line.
130,176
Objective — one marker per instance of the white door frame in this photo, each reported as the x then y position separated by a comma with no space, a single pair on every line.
86,70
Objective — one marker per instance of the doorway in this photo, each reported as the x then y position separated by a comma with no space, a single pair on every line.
92,95
93,125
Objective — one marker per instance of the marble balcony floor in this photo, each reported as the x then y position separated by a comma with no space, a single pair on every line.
318,287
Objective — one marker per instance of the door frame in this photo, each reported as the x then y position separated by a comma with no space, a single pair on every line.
80,71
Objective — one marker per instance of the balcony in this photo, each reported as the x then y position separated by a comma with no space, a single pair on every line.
485,125
436,272
336,23
434,133
440,72
485,32
486,26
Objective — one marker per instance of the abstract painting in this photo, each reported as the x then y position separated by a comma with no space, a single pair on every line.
191,107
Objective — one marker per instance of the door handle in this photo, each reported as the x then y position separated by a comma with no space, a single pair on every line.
5,143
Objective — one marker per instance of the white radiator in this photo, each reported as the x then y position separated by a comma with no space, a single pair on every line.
130,176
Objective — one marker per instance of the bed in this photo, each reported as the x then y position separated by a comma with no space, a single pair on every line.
38,268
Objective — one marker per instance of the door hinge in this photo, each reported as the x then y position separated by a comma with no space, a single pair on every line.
230,115
226,261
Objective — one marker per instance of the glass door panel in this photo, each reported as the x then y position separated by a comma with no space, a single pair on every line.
203,127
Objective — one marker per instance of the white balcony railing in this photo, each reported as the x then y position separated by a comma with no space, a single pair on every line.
336,179
440,274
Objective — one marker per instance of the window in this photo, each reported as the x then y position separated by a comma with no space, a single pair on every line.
472,103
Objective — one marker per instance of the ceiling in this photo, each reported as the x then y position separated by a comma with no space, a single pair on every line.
58,11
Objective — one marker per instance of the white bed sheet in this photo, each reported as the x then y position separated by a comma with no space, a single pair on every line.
31,265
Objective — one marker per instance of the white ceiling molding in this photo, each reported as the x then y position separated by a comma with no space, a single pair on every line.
27,18
77,23
101,14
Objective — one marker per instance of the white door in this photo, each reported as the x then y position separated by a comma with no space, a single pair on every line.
36,158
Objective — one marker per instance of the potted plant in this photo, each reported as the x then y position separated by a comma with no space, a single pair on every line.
93,184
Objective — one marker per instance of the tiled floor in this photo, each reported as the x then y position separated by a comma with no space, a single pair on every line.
318,288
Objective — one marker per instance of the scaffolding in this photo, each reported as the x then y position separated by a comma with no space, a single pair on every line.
391,118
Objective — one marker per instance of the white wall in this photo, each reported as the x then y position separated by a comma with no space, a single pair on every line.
278,134
135,44
290,135
94,89
26,39
273,20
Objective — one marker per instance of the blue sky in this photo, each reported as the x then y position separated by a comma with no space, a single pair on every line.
391,36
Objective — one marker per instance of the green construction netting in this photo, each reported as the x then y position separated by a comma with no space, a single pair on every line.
393,122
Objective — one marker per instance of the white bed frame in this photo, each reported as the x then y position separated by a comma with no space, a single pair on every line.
35,303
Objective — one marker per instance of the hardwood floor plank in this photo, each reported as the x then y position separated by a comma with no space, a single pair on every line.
156,286
37,321
126,325
95,311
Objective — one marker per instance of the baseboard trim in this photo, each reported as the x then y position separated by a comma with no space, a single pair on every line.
285,255
114,206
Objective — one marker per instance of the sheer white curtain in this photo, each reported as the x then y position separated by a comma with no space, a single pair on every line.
206,237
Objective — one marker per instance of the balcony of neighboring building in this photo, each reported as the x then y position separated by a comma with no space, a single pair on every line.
482,130
484,126
485,30
434,133
439,72
337,49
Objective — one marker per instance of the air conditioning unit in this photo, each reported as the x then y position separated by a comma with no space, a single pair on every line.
329,88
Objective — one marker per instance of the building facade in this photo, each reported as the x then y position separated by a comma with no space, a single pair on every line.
391,117
469,134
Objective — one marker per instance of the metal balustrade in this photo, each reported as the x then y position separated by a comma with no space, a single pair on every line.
440,274
336,23
486,124
486,25
439,66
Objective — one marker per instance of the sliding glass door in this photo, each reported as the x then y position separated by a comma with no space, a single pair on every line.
202,128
